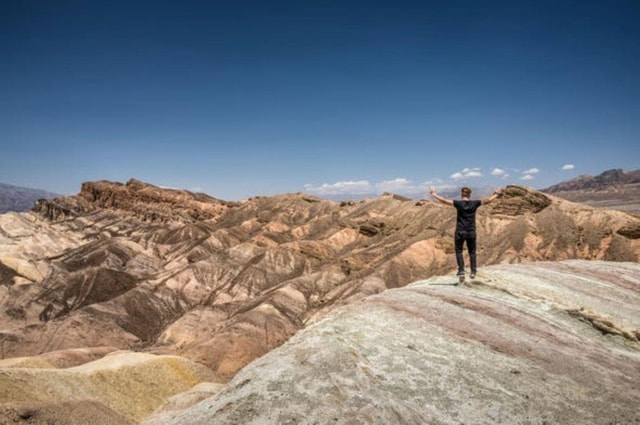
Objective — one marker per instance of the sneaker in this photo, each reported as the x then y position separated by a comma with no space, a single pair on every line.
460,277
472,275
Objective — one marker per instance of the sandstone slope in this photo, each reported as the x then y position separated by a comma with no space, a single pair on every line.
133,266
120,388
543,343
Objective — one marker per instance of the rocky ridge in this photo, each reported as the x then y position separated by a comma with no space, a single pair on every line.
538,343
146,202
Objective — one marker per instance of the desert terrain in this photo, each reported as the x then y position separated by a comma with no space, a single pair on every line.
188,298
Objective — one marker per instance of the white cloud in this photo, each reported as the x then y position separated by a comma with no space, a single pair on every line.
395,185
437,184
499,172
568,167
531,171
433,182
400,186
360,187
466,173
527,177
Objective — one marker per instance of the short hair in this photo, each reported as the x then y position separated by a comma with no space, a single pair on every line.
466,191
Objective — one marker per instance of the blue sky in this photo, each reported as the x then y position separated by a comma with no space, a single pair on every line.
237,98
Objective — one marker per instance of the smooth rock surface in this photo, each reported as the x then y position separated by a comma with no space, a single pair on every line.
535,343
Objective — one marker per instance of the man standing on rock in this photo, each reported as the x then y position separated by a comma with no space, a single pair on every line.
466,225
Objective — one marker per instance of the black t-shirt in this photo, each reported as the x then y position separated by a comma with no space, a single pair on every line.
466,221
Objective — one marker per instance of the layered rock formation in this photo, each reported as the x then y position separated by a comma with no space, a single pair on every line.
147,202
542,343
170,272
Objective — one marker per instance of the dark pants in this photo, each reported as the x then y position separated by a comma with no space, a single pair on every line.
470,239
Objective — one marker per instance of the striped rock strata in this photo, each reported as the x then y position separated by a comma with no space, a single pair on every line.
539,343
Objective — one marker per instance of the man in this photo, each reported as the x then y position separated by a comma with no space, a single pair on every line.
466,226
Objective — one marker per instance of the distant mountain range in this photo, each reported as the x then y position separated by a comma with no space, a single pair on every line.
614,189
19,199
608,180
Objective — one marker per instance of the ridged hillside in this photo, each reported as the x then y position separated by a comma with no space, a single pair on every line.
137,267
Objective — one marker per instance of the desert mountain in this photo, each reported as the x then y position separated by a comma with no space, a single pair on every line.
607,180
612,189
20,199
136,267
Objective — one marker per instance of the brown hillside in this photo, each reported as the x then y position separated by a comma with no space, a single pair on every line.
139,267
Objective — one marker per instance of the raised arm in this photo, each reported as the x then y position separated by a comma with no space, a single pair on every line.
495,195
446,201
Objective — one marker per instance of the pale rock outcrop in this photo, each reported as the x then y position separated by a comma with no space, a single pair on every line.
130,384
58,359
22,268
81,412
182,401
536,343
